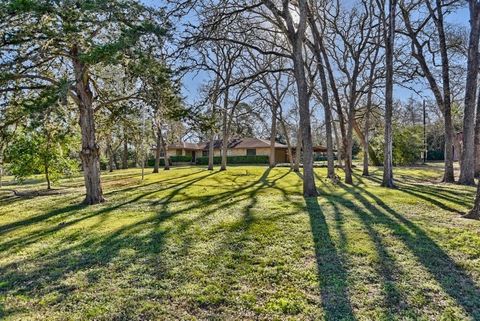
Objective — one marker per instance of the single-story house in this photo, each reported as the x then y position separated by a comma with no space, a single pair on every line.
236,147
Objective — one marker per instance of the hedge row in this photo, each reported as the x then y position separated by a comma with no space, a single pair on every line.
173,159
259,159
323,158
180,159
151,162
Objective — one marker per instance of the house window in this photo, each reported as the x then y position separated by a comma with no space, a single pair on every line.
179,152
204,153
251,152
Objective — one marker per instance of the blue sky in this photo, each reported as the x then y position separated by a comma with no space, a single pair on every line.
192,82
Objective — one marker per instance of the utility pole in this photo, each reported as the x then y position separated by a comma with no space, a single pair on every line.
424,133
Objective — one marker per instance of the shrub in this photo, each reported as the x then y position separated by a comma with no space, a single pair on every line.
407,145
259,159
180,159
151,162
323,158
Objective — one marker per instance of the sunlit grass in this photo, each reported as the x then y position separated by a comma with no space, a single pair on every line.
241,244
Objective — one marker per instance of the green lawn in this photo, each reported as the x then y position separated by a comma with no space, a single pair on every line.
190,244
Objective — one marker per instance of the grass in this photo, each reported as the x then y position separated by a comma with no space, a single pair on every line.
190,244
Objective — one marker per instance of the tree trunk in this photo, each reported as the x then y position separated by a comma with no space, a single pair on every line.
211,150
324,98
163,142
352,98
89,154
341,119
467,165
475,212
225,138
449,129
348,156
1,165
110,157
389,48
158,148
298,150
47,175
125,152
366,135
273,134
477,139
339,144
115,159
309,189
289,144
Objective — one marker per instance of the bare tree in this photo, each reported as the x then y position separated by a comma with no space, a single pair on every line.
351,45
422,48
389,37
316,47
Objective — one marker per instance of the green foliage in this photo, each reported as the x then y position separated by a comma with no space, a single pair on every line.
180,159
407,145
151,162
32,153
259,159
173,159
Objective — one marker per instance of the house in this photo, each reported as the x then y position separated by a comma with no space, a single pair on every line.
236,147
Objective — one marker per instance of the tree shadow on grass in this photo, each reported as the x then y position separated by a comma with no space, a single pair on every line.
331,272
453,279
434,194
82,252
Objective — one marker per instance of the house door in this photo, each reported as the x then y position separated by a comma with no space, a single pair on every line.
193,156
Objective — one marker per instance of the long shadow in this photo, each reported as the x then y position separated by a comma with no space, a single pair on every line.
454,280
39,218
331,272
98,251
58,213
386,268
431,196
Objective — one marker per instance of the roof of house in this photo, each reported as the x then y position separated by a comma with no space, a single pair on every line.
184,145
233,143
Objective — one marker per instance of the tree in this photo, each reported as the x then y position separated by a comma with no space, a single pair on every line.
422,44
467,164
43,144
62,44
353,46
389,38
316,47
295,33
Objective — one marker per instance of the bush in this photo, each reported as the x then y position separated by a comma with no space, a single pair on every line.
180,159
407,145
259,159
323,158
151,162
